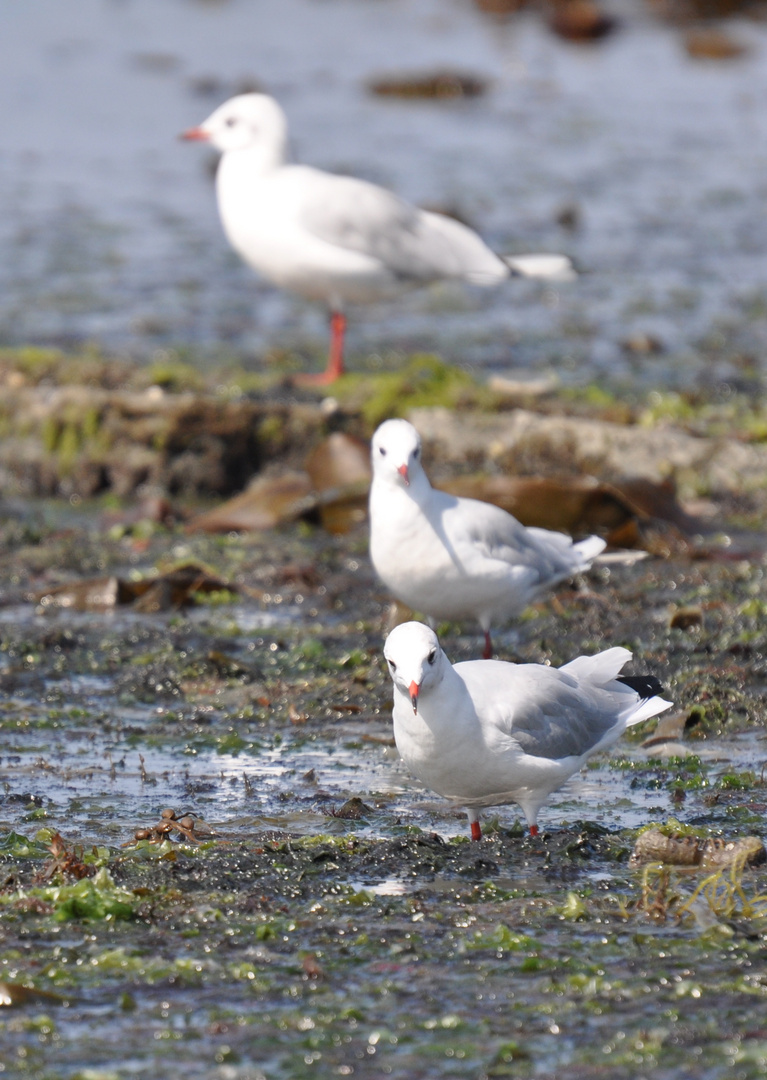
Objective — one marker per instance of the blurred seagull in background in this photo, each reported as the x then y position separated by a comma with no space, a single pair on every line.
454,558
332,238
486,733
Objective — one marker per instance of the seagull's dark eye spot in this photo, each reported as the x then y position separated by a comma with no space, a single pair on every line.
392,665
230,121
432,656
382,451
417,451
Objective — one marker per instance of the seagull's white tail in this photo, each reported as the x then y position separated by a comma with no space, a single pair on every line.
651,707
552,267
601,668
588,549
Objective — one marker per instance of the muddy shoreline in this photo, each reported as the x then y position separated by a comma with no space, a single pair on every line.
294,942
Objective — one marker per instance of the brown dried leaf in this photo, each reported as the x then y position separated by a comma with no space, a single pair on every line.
269,501
654,499
631,513
670,728
575,505
339,469
14,994
94,595
165,592
338,460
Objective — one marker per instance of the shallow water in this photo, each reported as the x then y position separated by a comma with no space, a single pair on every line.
82,756
110,232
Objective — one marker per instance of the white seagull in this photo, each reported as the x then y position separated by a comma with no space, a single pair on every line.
332,238
486,733
453,558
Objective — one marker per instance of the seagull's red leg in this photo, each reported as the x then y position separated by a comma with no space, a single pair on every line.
476,830
335,366
488,653
336,355
533,830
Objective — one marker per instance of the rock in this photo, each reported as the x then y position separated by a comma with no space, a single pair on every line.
522,389
437,85
569,216
523,442
83,439
710,43
712,853
499,7
643,344
686,11
686,618
353,809
581,20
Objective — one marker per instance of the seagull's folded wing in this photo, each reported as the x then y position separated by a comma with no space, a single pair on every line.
546,713
413,245
500,536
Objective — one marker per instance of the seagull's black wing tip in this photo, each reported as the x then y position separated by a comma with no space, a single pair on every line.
646,686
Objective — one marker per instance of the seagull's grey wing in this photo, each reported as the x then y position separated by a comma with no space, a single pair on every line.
412,244
500,536
550,556
545,711
561,726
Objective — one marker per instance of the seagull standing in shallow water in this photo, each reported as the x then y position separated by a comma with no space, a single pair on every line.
486,733
332,238
453,558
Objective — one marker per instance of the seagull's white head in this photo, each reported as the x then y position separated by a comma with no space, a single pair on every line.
242,122
415,659
396,452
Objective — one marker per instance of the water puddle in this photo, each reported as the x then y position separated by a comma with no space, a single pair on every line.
99,769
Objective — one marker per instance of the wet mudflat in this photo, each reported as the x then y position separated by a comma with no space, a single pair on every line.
212,863
325,916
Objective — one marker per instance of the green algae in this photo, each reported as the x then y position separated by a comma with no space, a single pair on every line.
424,379
91,898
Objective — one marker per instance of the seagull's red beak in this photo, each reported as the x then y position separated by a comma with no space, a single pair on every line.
413,691
402,470
196,134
